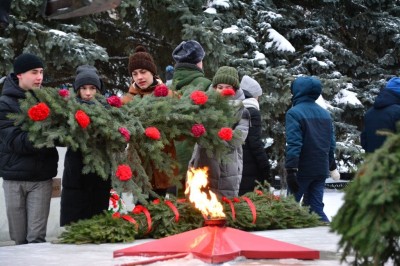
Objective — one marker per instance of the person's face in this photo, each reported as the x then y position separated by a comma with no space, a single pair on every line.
142,77
221,86
87,92
31,79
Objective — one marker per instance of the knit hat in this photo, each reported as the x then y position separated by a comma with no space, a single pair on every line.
226,75
26,62
87,75
141,59
251,85
188,52
393,84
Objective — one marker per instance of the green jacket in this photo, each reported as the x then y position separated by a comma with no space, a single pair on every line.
188,77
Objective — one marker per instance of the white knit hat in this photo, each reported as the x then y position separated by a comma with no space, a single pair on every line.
251,85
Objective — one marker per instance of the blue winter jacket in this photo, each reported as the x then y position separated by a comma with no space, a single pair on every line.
310,138
382,116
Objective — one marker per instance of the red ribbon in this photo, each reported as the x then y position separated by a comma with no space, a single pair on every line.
232,207
131,220
252,208
141,209
174,209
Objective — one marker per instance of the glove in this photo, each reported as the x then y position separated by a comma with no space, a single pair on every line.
291,178
335,175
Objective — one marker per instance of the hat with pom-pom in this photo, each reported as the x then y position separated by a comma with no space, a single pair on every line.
188,52
141,59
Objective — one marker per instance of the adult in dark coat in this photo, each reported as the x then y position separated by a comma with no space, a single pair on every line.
27,171
255,160
83,195
383,116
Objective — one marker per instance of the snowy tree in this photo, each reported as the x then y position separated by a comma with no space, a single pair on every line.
351,45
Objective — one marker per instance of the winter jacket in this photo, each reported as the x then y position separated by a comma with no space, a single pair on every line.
159,180
135,90
188,77
310,138
382,116
225,176
19,160
255,159
82,195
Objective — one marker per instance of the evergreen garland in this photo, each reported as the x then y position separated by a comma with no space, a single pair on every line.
272,212
110,135
369,219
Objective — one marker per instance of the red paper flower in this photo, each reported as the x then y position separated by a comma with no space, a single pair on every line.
125,132
114,101
39,112
198,130
228,92
199,97
236,199
225,133
156,201
82,118
123,172
153,133
225,199
116,215
63,93
115,197
161,90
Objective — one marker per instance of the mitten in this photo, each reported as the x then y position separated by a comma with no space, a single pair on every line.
335,175
291,178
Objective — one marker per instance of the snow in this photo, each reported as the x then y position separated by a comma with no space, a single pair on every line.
279,42
232,29
222,3
58,32
318,49
346,96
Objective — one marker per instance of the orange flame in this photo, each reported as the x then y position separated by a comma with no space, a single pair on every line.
207,203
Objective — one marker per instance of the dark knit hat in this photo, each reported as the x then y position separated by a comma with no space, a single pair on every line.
188,52
226,75
87,75
26,62
141,59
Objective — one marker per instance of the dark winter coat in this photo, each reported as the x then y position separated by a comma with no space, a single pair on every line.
310,138
189,77
382,116
82,195
225,176
255,159
19,160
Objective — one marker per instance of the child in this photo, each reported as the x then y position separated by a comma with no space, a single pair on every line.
83,195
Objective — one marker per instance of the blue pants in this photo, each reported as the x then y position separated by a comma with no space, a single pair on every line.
312,191
28,206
